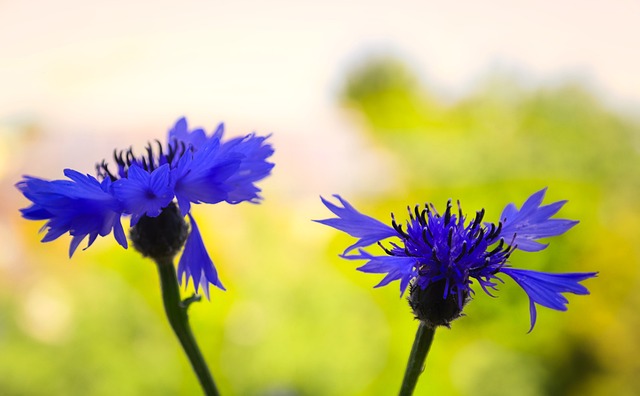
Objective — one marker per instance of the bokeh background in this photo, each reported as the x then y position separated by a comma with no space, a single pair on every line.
387,104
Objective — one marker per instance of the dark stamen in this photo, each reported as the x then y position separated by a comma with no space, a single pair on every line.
497,248
151,165
175,148
434,256
462,253
479,239
423,217
425,239
385,249
478,219
160,152
130,157
410,213
117,155
491,231
398,227
447,213
496,232
416,210
102,170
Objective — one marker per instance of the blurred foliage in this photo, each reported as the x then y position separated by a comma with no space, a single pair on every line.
298,320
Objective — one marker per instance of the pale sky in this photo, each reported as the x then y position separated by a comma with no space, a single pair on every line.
72,60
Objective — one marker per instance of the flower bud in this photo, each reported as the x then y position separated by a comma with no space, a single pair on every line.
160,237
430,307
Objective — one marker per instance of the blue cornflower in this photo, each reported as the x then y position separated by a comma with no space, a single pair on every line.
439,257
156,190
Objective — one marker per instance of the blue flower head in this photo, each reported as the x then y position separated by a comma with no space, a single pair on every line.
438,257
156,190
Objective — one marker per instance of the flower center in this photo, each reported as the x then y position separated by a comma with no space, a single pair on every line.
149,194
449,253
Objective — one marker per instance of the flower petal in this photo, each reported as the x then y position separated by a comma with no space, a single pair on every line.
180,132
196,264
402,268
143,193
546,288
253,166
202,176
533,222
354,223
81,206
211,171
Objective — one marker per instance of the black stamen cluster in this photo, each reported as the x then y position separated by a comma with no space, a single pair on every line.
149,162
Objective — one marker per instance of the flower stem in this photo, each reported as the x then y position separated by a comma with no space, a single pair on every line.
176,312
419,352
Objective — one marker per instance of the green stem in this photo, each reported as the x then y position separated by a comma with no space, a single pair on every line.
419,352
176,312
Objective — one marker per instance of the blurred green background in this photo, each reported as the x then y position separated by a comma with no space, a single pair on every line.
296,319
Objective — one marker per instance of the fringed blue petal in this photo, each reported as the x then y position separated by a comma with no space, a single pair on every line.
546,288
81,206
396,268
196,264
143,193
254,152
354,223
533,222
